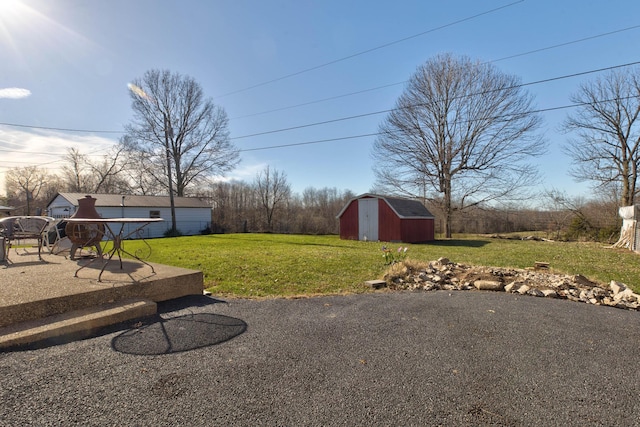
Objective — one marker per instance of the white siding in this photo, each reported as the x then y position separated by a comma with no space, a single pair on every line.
189,221
56,208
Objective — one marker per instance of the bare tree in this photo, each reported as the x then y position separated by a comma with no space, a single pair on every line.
74,172
80,174
561,209
183,135
23,185
53,185
108,171
140,172
460,135
272,191
606,150
170,109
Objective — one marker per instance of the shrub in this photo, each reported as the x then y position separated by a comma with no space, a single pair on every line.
172,233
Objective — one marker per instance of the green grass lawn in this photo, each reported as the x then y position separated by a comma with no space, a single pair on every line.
262,265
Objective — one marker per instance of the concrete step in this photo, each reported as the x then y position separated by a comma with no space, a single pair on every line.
76,324
31,289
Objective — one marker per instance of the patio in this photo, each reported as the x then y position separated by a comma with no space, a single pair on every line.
41,299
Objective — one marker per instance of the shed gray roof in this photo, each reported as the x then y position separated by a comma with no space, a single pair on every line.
404,208
407,208
112,200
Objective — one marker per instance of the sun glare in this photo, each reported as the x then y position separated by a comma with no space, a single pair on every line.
31,32
12,10
10,5
14,17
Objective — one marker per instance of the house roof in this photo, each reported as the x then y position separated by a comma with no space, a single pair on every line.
115,200
404,208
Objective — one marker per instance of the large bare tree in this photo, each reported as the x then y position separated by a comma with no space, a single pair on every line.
606,149
182,136
169,108
461,134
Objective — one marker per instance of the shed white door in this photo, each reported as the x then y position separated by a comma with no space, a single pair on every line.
368,219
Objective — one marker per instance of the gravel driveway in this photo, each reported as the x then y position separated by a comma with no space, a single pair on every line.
427,358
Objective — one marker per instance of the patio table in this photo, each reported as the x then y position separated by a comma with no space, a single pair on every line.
114,232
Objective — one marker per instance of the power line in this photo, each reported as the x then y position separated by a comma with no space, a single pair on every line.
542,49
59,129
566,43
473,94
389,110
335,61
367,135
28,163
344,95
541,110
342,138
331,98
29,152
91,153
358,115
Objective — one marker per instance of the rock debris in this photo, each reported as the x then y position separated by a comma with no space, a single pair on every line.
446,275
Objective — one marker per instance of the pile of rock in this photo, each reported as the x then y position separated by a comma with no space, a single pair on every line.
446,275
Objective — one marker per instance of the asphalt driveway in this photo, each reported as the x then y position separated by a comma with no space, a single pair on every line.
429,358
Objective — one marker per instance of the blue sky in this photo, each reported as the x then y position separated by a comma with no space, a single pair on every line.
270,64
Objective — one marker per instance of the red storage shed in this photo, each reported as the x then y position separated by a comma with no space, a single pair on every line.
388,219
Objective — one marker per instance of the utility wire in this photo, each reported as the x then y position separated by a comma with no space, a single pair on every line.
542,49
468,95
566,43
59,129
541,110
340,96
335,61
41,153
342,138
348,117
367,135
91,153
331,98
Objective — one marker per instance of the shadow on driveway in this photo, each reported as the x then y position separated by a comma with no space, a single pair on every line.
170,332
177,334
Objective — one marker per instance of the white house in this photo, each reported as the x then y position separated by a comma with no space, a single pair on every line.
192,214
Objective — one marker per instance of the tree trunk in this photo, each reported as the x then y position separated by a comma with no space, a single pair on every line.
447,209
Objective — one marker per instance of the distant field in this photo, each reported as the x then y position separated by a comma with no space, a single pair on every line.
263,265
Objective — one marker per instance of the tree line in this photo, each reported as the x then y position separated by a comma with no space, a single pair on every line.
267,204
240,207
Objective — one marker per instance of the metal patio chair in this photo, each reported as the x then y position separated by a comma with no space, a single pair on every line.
16,229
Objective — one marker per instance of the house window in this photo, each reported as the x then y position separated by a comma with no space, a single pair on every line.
154,214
